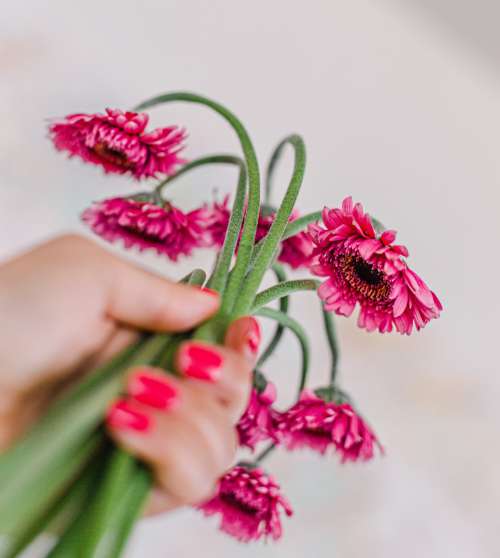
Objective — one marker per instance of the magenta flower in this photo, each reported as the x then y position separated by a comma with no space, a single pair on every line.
368,269
258,421
296,251
166,229
319,425
117,142
249,503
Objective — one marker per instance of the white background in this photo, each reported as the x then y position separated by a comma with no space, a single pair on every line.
399,107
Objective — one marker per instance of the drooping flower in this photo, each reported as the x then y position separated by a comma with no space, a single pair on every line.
320,425
145,225
296,251
249,502
258,421
117,141
366,268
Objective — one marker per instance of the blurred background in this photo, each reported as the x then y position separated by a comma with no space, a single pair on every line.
398,104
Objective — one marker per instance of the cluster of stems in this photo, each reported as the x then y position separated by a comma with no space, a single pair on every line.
65,476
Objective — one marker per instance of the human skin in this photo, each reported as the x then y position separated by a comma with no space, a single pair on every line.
68,305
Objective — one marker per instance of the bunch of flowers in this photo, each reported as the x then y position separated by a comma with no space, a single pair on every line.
66,471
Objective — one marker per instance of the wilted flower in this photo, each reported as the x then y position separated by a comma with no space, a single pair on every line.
145,225
319,425
257,422
368,269
117,142
249,503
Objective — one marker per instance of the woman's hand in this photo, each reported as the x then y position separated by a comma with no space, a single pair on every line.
69,305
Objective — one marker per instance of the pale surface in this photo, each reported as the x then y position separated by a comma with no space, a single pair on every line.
399,110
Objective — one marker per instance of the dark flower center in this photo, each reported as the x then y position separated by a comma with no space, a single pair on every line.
112,155
245,507
364,278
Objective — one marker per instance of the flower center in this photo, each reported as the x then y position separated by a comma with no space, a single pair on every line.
364,278
112,155
245,507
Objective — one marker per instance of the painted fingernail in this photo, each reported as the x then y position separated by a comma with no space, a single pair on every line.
153,391
122,416
254,335
209,291
200,362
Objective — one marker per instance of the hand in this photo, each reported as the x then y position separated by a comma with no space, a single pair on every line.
69,305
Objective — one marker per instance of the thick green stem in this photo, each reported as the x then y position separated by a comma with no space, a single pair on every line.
298,225
332,344
278,333
273,238
299,333
271,167
283,289
248,235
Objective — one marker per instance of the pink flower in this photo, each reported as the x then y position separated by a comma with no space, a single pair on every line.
368,269
249,503
257,423
117,141
166,229
296,251
319,425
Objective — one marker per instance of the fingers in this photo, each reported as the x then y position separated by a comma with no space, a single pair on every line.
183,435
144,300
226,371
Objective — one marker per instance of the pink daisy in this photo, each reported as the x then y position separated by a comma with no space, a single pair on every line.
257,423
368,269
296,251
319,425
166,229
117,141
249,503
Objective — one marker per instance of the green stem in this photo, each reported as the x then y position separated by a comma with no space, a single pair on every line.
332,343
273,238
298,225
218,159
283,289
271,166
248,235
278,333
298,331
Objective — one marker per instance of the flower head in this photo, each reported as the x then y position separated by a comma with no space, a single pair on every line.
319,425
163,228
258,421
249,503
296,251
117,141
366,268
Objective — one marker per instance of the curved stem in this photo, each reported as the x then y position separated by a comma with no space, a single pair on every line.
272,239
271,166
286,321
332,343
252,213
298,225
283,289
278,333
218,159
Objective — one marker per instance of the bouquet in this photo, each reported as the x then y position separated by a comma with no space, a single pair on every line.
65,476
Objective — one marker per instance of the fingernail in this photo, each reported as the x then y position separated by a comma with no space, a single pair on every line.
153,391
253,335
209,291
122,416
200,362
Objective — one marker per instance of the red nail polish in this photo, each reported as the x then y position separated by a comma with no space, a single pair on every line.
200,362
153,391
122,416
254,335
209,291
